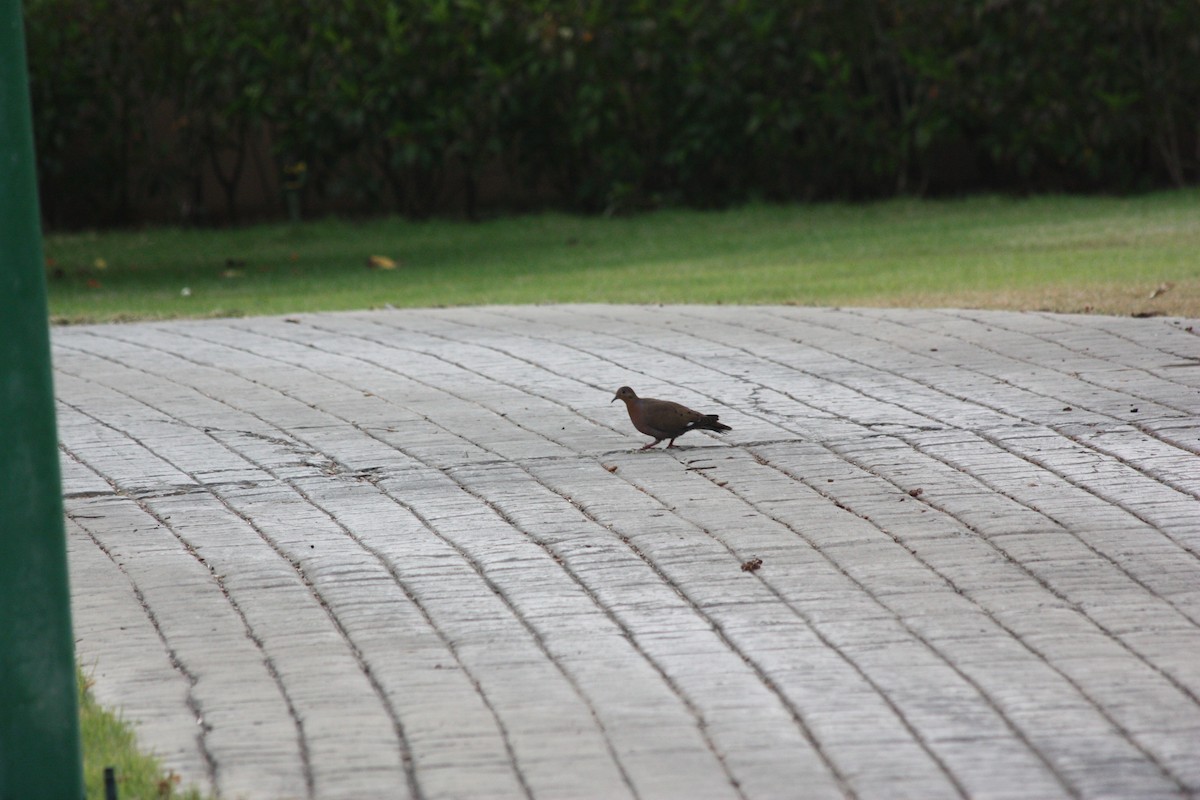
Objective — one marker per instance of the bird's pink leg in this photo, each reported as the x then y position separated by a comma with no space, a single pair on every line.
648,446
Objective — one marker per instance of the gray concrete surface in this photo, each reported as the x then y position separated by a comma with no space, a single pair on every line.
417,554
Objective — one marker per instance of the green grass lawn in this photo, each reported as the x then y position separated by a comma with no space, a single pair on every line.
109,742
1063,253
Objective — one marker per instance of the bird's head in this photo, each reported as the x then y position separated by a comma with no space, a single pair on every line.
624,393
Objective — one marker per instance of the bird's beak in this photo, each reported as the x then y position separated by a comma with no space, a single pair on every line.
614,399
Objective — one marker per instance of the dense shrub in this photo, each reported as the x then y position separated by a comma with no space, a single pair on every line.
184,108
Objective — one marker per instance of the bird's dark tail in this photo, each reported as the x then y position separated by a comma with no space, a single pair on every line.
709,423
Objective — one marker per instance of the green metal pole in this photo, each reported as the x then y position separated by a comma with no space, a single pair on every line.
39,715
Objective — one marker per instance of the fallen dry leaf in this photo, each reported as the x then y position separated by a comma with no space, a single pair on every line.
380,262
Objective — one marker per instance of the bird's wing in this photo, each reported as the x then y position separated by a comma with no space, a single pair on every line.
666,418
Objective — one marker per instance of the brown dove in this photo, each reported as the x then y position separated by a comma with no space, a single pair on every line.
663,419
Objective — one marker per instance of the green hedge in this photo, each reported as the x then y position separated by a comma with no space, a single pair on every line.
602,104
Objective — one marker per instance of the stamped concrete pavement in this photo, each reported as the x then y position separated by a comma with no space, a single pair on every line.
418,553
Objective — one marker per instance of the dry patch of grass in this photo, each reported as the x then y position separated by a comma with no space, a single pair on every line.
1142,299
